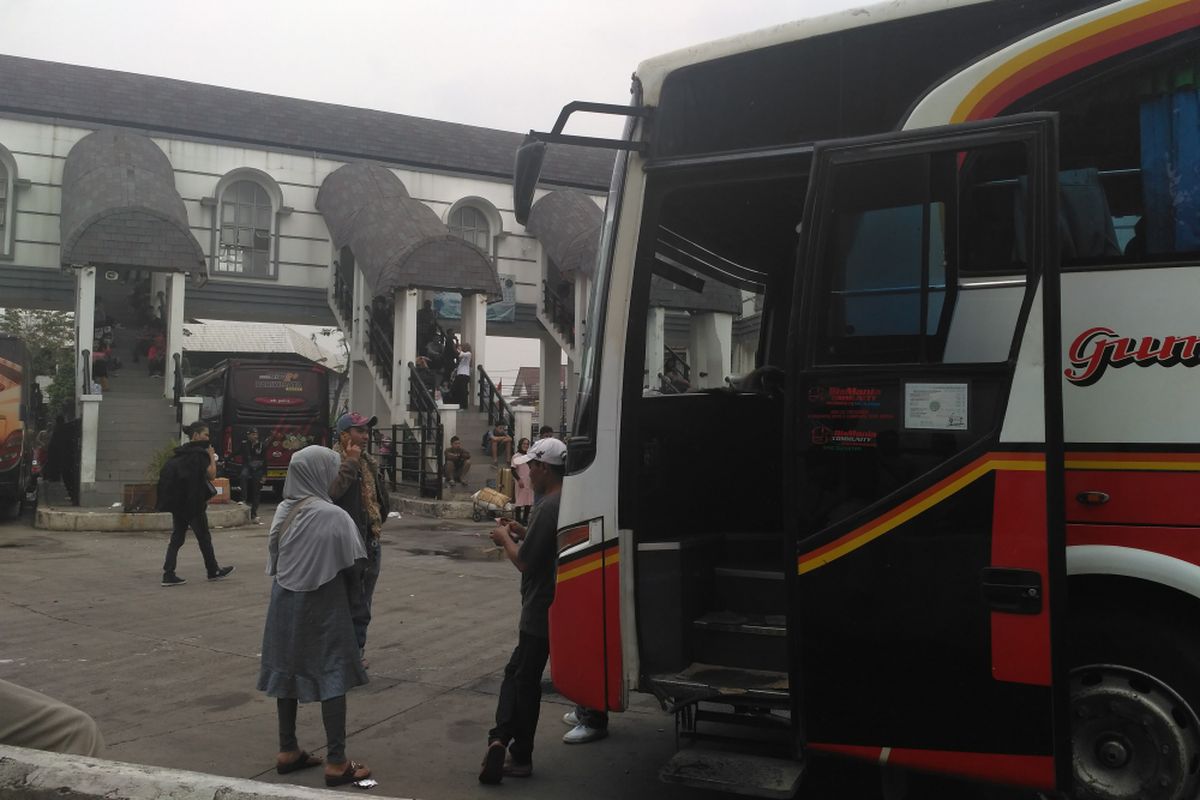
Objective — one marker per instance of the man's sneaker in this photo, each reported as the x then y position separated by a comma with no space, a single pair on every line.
492,769
581,734
515,770
223,572
571,719
173,580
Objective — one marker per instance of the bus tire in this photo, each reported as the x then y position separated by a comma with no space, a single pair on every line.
1134,696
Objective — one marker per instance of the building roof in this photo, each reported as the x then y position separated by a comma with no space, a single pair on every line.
250,337
567,223
120,207
398,242
90,97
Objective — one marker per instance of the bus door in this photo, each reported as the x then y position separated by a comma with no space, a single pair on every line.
925,442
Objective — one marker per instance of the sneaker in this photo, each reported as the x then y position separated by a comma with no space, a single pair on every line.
571,719
492,768
581,734
515,770
173,580
223,572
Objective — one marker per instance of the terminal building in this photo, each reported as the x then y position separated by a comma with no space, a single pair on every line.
225,204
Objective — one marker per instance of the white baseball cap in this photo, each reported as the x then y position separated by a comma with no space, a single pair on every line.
548,451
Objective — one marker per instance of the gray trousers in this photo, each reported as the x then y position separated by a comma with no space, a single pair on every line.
31,719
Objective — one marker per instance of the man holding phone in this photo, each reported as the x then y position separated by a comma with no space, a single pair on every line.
532,551
359,489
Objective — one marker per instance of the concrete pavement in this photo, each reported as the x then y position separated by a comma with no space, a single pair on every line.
169,674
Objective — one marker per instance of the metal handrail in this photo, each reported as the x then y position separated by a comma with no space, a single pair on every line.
379,347
177,387
427,433
561,314
343,296
493,402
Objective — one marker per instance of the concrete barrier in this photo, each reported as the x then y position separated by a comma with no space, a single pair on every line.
38,775
100,519
440,509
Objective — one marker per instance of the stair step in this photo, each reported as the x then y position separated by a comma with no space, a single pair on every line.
751,641
750,590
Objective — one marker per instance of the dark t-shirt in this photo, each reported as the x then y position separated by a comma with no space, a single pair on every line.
538,553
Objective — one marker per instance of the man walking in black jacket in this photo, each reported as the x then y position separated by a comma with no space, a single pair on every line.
184,486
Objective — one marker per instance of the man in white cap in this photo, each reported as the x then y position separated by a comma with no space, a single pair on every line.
532,551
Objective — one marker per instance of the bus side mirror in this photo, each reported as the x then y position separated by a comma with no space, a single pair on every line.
526,170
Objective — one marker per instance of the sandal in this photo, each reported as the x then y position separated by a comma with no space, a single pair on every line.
303,761
349,774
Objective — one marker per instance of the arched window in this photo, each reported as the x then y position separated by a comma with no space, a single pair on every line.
246,227
468,222
8,186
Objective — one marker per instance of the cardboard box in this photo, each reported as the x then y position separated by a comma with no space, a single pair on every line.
222,495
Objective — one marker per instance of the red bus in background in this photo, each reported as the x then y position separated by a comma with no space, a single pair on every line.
285,399
16,417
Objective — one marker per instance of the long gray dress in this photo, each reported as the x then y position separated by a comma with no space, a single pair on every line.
309,650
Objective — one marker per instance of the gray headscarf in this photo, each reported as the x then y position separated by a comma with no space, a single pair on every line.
321,539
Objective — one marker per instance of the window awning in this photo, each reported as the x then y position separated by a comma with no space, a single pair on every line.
398,242
120,207
567,223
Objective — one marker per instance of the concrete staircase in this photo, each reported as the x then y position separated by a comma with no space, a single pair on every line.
136,422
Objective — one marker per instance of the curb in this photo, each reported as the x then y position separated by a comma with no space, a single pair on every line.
70,519
39,774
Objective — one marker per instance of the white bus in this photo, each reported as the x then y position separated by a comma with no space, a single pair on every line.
887,440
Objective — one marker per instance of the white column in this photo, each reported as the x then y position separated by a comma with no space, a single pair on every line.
474,331
85,334
448,412
710,349
358,322
89,418
524,423
191,413
176,283
404,348
550,382
572,392
655,342
362,386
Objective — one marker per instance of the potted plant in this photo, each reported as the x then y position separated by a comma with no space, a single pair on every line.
143,497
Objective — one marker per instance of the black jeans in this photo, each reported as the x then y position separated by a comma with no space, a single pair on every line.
460,390
251,489
199,525
521,697
333,714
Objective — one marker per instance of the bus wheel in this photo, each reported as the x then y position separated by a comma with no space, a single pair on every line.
1133,736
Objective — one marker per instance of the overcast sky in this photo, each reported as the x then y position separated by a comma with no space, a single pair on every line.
509,65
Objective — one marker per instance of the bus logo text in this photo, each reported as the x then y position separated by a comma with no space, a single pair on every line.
1096,350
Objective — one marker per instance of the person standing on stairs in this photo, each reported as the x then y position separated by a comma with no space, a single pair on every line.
359,490
184,487
462,377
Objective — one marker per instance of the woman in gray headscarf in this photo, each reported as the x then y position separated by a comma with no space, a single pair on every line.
310,650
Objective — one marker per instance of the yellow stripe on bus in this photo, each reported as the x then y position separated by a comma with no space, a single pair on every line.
593,564
897,519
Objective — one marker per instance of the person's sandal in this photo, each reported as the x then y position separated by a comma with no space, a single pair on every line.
304,761
349,774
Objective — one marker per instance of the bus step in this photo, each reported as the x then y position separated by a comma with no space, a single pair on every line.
741,773
749,641
750,590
